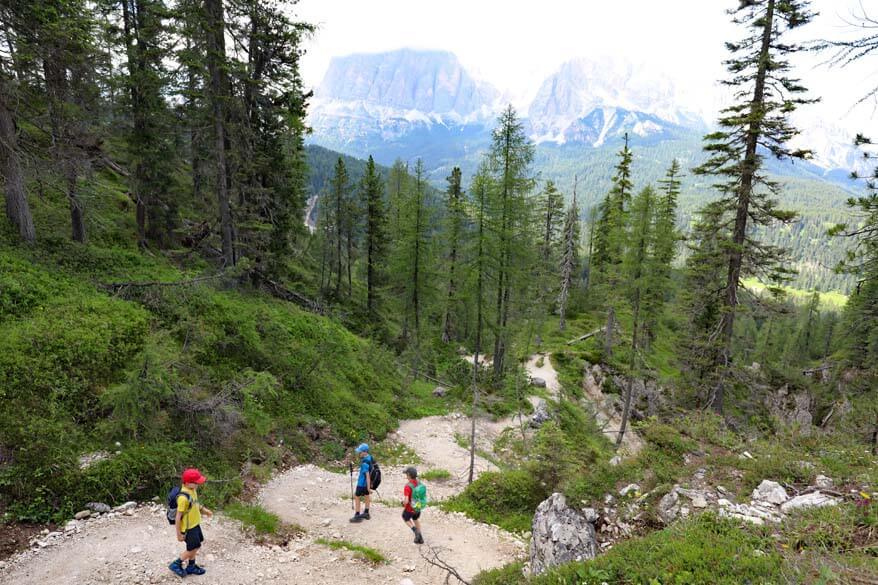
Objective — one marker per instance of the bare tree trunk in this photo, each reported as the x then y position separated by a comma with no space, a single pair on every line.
17,208
608,333
629,387
216,56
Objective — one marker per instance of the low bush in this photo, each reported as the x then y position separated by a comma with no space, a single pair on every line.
507,499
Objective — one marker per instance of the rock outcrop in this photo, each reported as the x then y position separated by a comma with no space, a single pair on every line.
540,415
561,534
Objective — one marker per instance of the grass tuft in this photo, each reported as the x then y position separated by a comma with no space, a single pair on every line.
364,552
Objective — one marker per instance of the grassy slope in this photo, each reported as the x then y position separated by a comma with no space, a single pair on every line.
212,374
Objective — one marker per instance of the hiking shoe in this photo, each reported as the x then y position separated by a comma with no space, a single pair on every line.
419,539
357,518
194,569
177,568
365,516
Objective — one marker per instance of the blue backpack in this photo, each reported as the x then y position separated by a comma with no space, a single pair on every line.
172,503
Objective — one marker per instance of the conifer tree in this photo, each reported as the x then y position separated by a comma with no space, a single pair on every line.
767,95
613,217
510,157
666,240
17,207
455,216
569,259
339,188
637,266
376,237
481,188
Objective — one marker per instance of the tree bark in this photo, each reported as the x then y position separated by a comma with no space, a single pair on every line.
216,57
748,172
17,208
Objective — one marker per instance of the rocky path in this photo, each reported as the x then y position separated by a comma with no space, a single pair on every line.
136,546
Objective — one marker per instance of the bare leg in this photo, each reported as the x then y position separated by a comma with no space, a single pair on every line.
357,504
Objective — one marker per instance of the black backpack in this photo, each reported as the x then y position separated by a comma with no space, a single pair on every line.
172,503
374,474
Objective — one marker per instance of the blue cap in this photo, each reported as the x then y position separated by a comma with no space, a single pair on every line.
362,447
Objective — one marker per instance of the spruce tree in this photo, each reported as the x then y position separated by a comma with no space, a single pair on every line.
455,217
637,269
613,217
767,95
569,258
376,237
510,157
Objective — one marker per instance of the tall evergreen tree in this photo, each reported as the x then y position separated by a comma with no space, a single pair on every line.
510,157
613,217
376,237
569,258
338,201
637,272
759,72
666,240
455,216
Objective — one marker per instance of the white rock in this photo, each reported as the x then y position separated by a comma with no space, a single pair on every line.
630,488
406,582
823,482
812,500
135,550
82,515
125,506
326,522
771,492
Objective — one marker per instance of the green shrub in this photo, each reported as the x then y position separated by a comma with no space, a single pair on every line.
704,550
507,499
436,475
254,516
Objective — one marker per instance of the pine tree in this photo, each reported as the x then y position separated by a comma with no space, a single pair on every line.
376,237
338,201
569,259
481,189
613,216
666,241
637,266
17,207
759,71
701,298
510,157
146,38
454,227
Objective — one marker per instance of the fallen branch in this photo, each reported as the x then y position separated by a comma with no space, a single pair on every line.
435,560
587,335
280,291
117,287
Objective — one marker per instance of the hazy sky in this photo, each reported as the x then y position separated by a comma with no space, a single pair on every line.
515,44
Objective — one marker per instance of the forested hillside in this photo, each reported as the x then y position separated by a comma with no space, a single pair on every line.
630,362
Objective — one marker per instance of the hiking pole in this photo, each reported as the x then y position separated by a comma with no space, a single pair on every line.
351,468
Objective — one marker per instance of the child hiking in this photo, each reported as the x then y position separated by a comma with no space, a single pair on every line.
364,484
414,500
186,510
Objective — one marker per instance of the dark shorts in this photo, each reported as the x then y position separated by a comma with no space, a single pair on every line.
406,515
194,538
362,491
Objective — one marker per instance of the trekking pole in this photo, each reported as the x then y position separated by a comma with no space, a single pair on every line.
351,468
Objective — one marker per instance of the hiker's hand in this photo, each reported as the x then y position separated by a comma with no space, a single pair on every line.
207,512
180,536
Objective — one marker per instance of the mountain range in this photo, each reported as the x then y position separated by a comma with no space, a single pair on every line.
409,104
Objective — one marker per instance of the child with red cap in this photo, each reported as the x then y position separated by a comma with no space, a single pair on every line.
188,523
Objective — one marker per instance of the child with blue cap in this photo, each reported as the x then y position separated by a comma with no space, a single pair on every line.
364,484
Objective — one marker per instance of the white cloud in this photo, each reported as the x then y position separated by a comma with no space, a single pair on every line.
516,44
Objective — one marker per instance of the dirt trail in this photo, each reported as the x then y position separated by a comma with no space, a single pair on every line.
136,549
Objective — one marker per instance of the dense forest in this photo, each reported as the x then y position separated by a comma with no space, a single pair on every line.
167,295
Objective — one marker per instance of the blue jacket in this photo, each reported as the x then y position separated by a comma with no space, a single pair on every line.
365,465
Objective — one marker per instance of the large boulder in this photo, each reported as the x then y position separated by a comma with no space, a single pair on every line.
538,382
770,492
439,392
560,535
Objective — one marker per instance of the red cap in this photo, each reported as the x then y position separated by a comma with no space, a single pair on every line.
192,475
